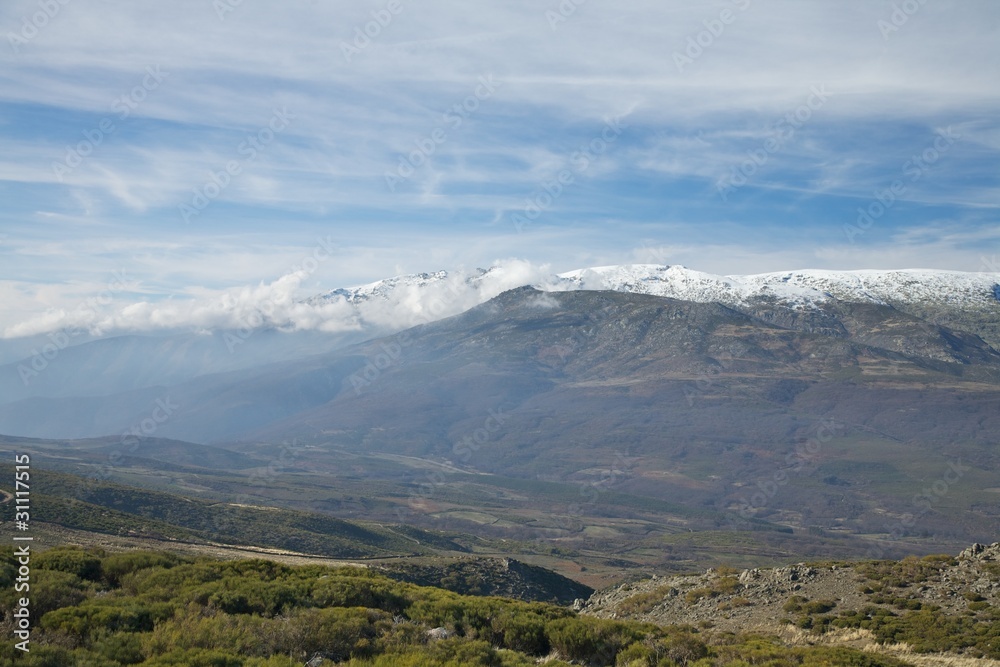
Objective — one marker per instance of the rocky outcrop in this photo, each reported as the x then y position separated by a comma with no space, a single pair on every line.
767,599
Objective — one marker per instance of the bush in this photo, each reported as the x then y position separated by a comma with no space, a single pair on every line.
735,603
794,604
588,639
818,607
116,566
52,589
695,594
643,603
726,584
73,560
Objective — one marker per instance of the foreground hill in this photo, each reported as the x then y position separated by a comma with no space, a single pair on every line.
932,604
157,609
92,607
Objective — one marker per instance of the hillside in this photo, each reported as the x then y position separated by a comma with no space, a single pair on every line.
959,299
933,604
151,608
115,509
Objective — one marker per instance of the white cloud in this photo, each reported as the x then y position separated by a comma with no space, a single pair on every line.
353,121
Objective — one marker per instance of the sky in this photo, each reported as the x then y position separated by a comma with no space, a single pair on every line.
159,160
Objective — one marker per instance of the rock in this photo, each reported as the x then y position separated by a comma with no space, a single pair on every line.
972,551
439,633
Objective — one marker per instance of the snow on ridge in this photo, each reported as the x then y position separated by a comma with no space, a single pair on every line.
891,286
799,288
423,297
383,288
679,282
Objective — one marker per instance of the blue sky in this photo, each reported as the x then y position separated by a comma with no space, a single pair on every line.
426,146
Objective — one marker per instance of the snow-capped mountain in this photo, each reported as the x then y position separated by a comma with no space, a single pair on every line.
381,289
960,300
925,287
679,282
910,286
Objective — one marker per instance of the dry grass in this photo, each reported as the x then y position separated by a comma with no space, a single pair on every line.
904,652
864,640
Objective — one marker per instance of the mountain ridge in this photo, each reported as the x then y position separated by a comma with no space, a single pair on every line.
678,281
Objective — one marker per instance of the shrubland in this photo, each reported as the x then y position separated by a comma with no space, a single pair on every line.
98,609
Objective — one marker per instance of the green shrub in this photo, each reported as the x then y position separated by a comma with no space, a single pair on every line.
696,594
643,603
116,566
818,606
586,638
726,585
735,603
794,604
73,560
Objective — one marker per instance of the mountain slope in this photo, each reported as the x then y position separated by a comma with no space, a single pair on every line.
853,412
832,419
968,301
961,300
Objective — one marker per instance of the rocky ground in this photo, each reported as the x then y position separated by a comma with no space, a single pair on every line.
761,600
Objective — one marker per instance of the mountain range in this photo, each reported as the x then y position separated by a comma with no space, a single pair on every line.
66,365
846,408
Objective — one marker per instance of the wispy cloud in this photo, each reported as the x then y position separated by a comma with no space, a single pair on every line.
355,119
